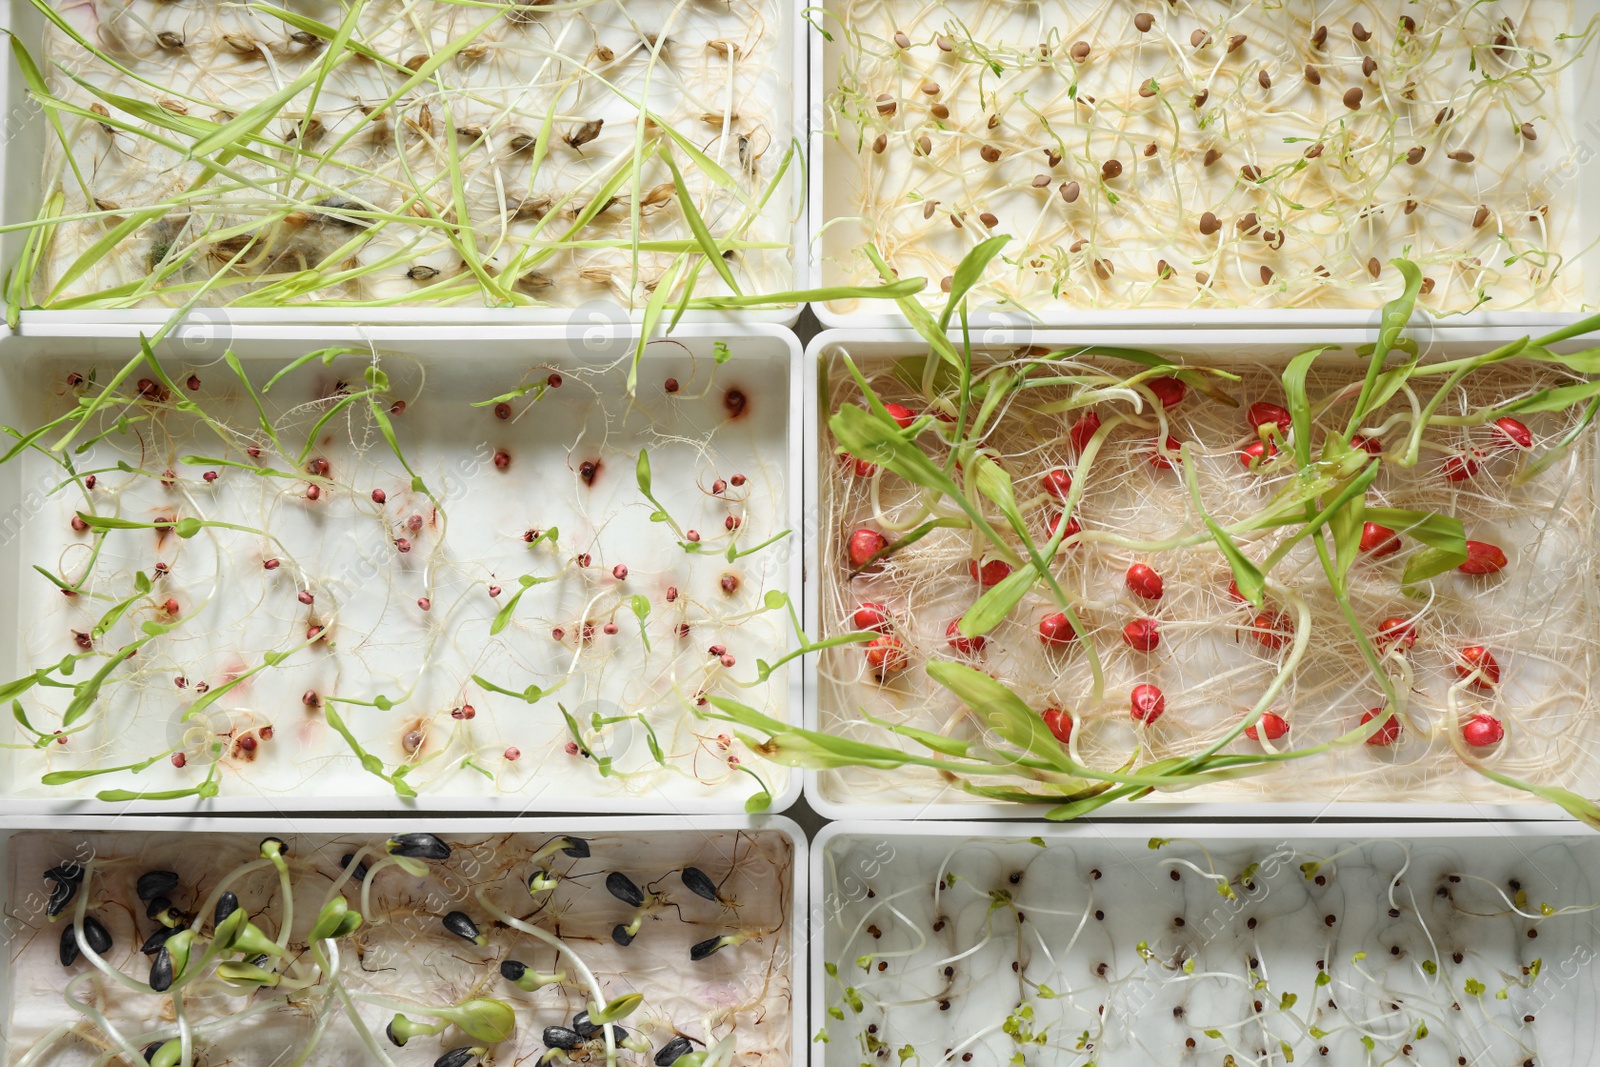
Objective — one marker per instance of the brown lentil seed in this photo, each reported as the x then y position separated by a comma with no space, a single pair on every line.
1360,32
1111,168
1079,51
1368,66
1199,38
1264,78
1352,98
990,153
1236,42
1209,224
1143,21
989,219
1313,75
1462,156
1069,191
1480,217
1414,156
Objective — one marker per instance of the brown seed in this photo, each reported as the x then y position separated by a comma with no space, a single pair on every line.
1149,89
1321,271
1150,149
1212,155
1528,131
944,43
1069,191
1201,97
1041,180
1374,268
930,88
1143,21
1480,216
1411,205
1368,65
582,135
1319,38
924,145
1249,224
1408,24
1103,268
939,111
955,219
1052,157
1427,286
901,40
1352,99
994,121
886,104
929,208
1313,75
881,143
989,219
1266,275
1079,51
1077,246
1445,115
946,282
1202,278
1314,151
1199,38
1414,156
1409,92
1264,78
1462,156
415,63
1250,172
990,153
1163,270
1360,32
1209,224
1110,169
1235,42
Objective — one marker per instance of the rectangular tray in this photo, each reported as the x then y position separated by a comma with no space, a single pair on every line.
1560,168
1079,906
857,793
775,77
306,767
761,862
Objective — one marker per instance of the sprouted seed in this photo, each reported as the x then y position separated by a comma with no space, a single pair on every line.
368,968
1340,131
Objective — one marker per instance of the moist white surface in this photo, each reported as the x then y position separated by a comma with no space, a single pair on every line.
1092,947
343,548
403,953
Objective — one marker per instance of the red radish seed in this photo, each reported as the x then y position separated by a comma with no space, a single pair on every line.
468,711
171,607
1170,391
1257,452
74,379
964,645
1512,434
1378,541
149,390
306,596
587,470
609,628
730,583
530,535
162,569
502,411
513,754
1479,664
210,476
672,593
1397,632
718,486
318,466
620,572
397,408
314,633
168,477
89,482
1263,413
1481,731
1272,629
1142,634
83,640
402,544
1272,725
379,496
1482,558
193,383
572,748
1144,582
1163,461
554,381
1059,723
887,655
179,759
1073,529
1083,429
310,699
584,559
494,591
254,452
558,633
424,603
732,522
670,385
992,573
901,414
1055,631
1233,590
692,535
78,524
1146,704
1371,446
414,523
1058,482
683,629
1460,468
61,738
870,616
863,469
313,492
864,544
737,480
726,660
502,459
717,650
1388,733
265,733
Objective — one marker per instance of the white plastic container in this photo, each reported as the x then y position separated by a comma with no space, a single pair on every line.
1560,168
771,84
588,418
1314,791
404,953
1126,955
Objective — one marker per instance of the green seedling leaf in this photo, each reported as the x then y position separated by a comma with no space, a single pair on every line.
969,272
990,609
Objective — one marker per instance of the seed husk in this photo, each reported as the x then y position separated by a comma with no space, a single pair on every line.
1462,156
415,63
528,207
521,142
1150,149
930,88
1236,42
461,924
152,884
699,883
1250,172
901,40
1374,268
1163,270
989,219
990,153
418,846
1040,181
944,43
701,949
1201,97
1052,157
1111,168
306,39
725,49
1408,24
1410,206
457,1057
1079,51
1249,224
886,104
621,886
1202,278
1427,286
1143,21
1069,191
585,133
1480,217
1314,151
925,145
880,143
1319,37
562,1037
929,207
1360,32
1104,269
1264,78
360,873
1445,115
1352,98
1313,75
168,39
67,878
1415,155
1266,275
946,283
939,111
621,935
1149,89
1212,155
1209,224
1368,66
161,970
1528,131
242,43
673,1051
1199,38
94,935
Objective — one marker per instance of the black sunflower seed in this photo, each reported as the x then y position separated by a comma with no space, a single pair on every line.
157,906
419,846
61,895
700,950
361,868
283,846
699,883
512,970
577,848
672,1050
460,924
456,1057
227,904
581,1023
620,934
161,971
561,1037
154,942
622,887
153,884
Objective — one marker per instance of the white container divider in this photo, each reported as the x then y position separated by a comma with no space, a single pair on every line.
780,85
488,854
1563,173
875,795
305,767
1085,944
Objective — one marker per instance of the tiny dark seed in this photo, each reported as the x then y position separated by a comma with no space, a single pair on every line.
902,41
1319,38
1480,217
1069,191
1264,78
1079,51
886,104
1360,32
1143,21
1410,206
939,111
1313,75
1236,41
1209,224
1528,131
1250,172
1266,275
1368,66
1199,38
1314,151
1201,97
1414,156
1174,875
1352,99
1374,267
1110,169
989,219
990,153
1462,156
1212,155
